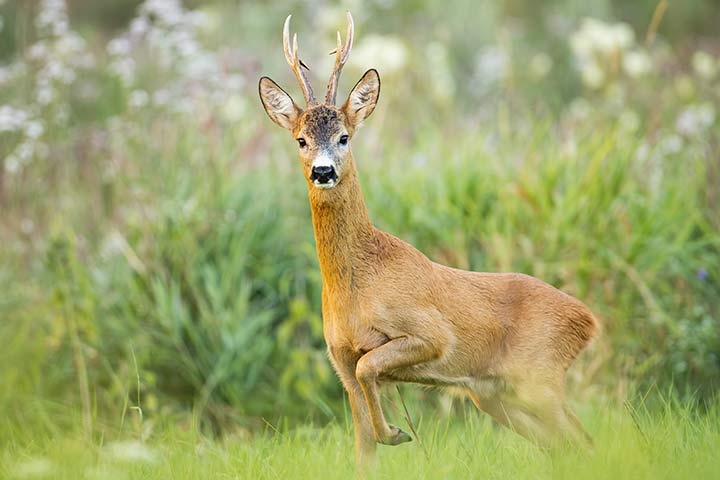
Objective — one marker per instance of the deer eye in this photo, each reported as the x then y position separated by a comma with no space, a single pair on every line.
301,141
343,140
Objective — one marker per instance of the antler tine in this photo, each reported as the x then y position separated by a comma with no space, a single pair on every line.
341,55
296,65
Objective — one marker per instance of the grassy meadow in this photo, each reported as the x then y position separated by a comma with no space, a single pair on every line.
159,289
671,443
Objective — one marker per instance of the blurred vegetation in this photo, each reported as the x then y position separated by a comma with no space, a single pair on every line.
158,258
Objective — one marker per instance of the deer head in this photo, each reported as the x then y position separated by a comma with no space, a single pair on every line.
322,131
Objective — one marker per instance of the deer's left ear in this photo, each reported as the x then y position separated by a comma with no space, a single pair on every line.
363,98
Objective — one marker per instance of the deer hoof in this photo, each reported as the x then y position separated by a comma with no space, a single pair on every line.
396,437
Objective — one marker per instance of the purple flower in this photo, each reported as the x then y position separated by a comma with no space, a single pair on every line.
702,274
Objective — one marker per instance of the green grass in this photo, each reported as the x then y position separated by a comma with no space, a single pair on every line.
673,442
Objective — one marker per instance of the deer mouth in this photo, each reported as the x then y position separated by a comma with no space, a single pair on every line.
326,185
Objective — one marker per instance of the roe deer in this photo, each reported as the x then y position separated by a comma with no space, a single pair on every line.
392,315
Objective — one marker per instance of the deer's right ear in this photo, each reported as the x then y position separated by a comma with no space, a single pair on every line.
279,106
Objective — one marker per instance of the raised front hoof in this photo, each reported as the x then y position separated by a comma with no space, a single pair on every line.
395,437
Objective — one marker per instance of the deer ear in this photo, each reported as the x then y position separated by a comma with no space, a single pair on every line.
279,106
363,98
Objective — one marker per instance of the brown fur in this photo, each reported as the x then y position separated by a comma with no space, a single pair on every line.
391,314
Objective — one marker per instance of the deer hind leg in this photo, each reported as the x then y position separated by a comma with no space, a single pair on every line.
396,354
537,412
579,433
514,417
546,402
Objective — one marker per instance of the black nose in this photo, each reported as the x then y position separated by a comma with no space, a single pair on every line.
323,174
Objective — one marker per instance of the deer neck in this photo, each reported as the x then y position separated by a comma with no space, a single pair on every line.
343,230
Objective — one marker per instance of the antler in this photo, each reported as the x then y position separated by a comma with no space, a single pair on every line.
341,55
297,65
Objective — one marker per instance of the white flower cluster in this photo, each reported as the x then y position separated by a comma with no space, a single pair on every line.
695,119
159,60
52,18
492,64
193,78
388,53
603,49
706,66
53,63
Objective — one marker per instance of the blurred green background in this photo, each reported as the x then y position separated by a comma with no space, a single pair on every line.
157,256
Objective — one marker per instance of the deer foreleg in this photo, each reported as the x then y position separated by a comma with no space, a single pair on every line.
398,353
364,436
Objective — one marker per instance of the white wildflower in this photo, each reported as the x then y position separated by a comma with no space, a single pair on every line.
208,20
705,65
643,152
53,69
12,119
580,108
24,152
119,46
139,26
52,17
491,66
62,114
70,43
161,97
596,43
234,82
684,86
34,468
124,68
132,452
67,76
419,160
637,63
670,145
387,53
44,94
234,108
182,105
34,129
27,226
595,36
138,98
166,12
443,85
540,65
327,19
592,75
199,66
695,119
112,245
38,51
84,60
185,43
12,164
